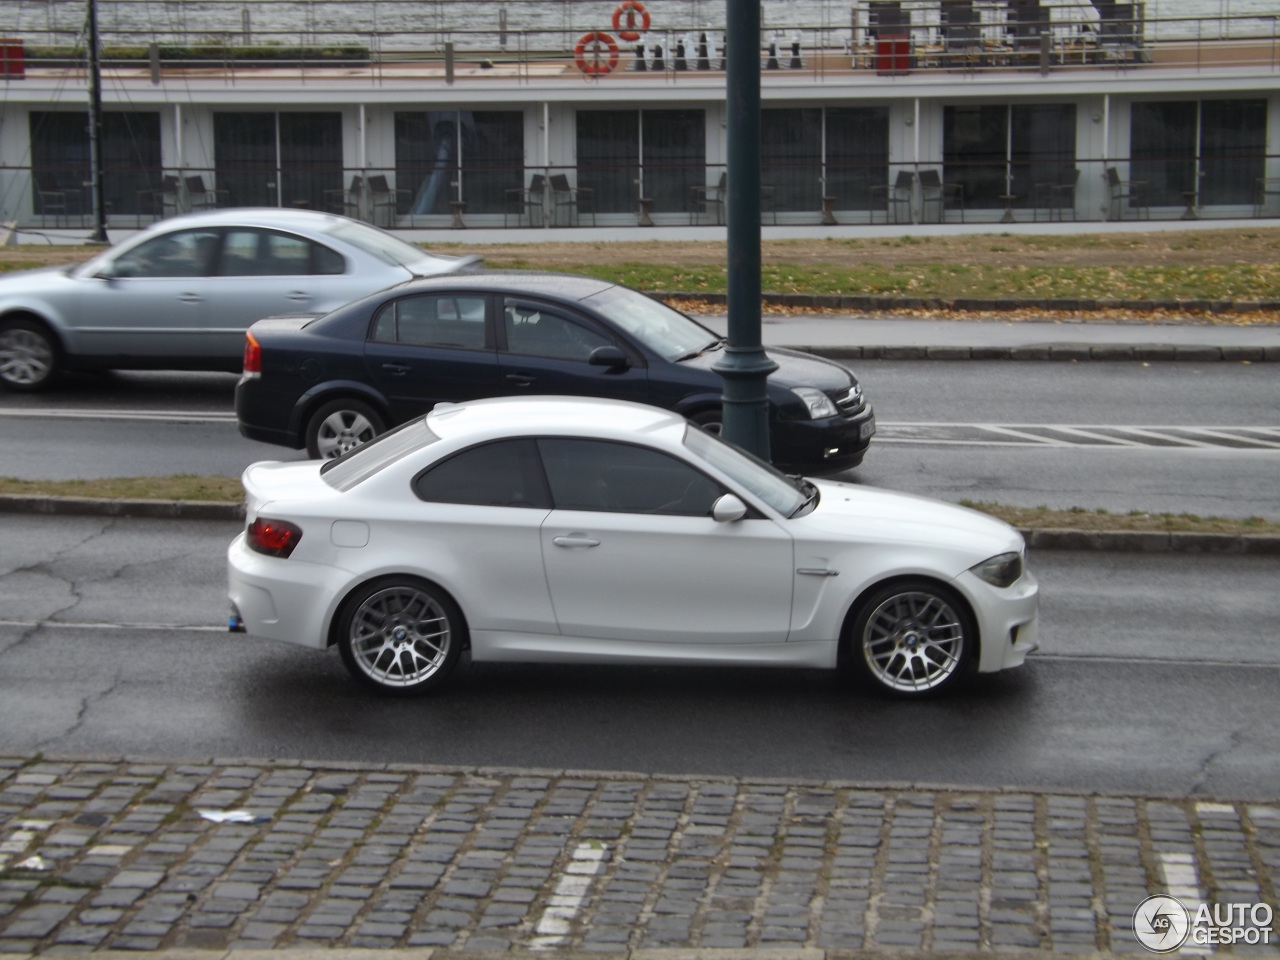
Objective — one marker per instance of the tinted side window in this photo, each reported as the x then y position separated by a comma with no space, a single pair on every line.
185,253
620,478
536,333
502,474
437,321
264,253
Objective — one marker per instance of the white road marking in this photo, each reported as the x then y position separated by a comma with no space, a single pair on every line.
571,892
164,416
66,625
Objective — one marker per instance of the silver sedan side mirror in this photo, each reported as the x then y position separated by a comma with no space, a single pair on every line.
728,508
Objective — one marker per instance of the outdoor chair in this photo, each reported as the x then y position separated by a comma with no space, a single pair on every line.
384,201
1126,194
894,199
572,199
200,197
708,200
528,200
939,196
347,201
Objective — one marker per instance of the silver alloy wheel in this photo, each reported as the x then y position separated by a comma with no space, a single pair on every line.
342,431
913,641
400,636
26,357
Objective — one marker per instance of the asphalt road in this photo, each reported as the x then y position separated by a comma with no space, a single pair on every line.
1157,675
1176,437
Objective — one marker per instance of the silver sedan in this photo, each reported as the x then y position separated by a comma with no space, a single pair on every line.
181,294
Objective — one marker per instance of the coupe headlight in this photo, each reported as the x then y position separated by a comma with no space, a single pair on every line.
1001,571
816,402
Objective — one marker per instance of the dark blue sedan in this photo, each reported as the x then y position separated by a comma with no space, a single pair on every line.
329,383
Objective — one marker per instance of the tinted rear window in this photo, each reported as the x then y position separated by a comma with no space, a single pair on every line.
344,472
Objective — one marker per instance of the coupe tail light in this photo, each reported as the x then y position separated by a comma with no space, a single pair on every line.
275,538
252,355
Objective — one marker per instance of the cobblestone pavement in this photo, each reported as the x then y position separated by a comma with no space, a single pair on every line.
123,854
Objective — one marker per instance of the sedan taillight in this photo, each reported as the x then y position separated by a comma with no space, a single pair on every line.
252,354
275,538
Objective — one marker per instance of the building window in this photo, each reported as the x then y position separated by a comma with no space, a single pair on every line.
810,153
996,150
130,147
470,155
277,159
791,157
1216,148
626,154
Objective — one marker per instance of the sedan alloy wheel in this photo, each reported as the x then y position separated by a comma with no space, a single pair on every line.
27,356
913,639
401,636
339,427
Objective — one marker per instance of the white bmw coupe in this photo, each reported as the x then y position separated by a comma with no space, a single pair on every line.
565,529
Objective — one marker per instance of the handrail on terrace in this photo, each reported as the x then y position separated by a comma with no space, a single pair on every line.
472,50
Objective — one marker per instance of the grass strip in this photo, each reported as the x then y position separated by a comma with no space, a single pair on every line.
228,490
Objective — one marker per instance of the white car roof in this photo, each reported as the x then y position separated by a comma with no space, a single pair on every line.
571,416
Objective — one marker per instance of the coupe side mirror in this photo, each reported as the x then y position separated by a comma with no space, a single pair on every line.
728,508
610,357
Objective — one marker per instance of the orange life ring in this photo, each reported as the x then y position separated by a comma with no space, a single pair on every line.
630,8
602,56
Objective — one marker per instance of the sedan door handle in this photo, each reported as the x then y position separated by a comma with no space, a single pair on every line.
396,369
190,298
521,380
576,540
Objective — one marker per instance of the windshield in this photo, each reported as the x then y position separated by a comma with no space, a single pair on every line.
383,245
666,332
344,472
750,474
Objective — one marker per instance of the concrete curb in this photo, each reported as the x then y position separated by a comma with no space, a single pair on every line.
873,304
1065,353
1116,541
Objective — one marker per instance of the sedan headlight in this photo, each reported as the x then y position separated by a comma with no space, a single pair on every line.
816,402
1001,571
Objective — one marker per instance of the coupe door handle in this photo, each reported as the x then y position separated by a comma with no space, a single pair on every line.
521,380
396,369
190,298
817,572
575,540
300,296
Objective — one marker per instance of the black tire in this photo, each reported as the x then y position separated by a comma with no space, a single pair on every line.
913,639
340,426
30,356
710,420
400,635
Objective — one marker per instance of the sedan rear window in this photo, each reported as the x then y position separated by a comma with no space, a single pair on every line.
380,244
344,472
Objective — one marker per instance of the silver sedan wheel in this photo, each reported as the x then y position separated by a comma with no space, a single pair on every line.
913,641
339,427
401,637
26,357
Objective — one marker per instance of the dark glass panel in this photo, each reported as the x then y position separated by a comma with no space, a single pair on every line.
130,147
1042,147
675,157
1163,150
1233,148
857,154
975,149
609,157
791,157
492,157
310,158
244,150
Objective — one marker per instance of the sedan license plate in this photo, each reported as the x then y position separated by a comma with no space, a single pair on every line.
868,429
